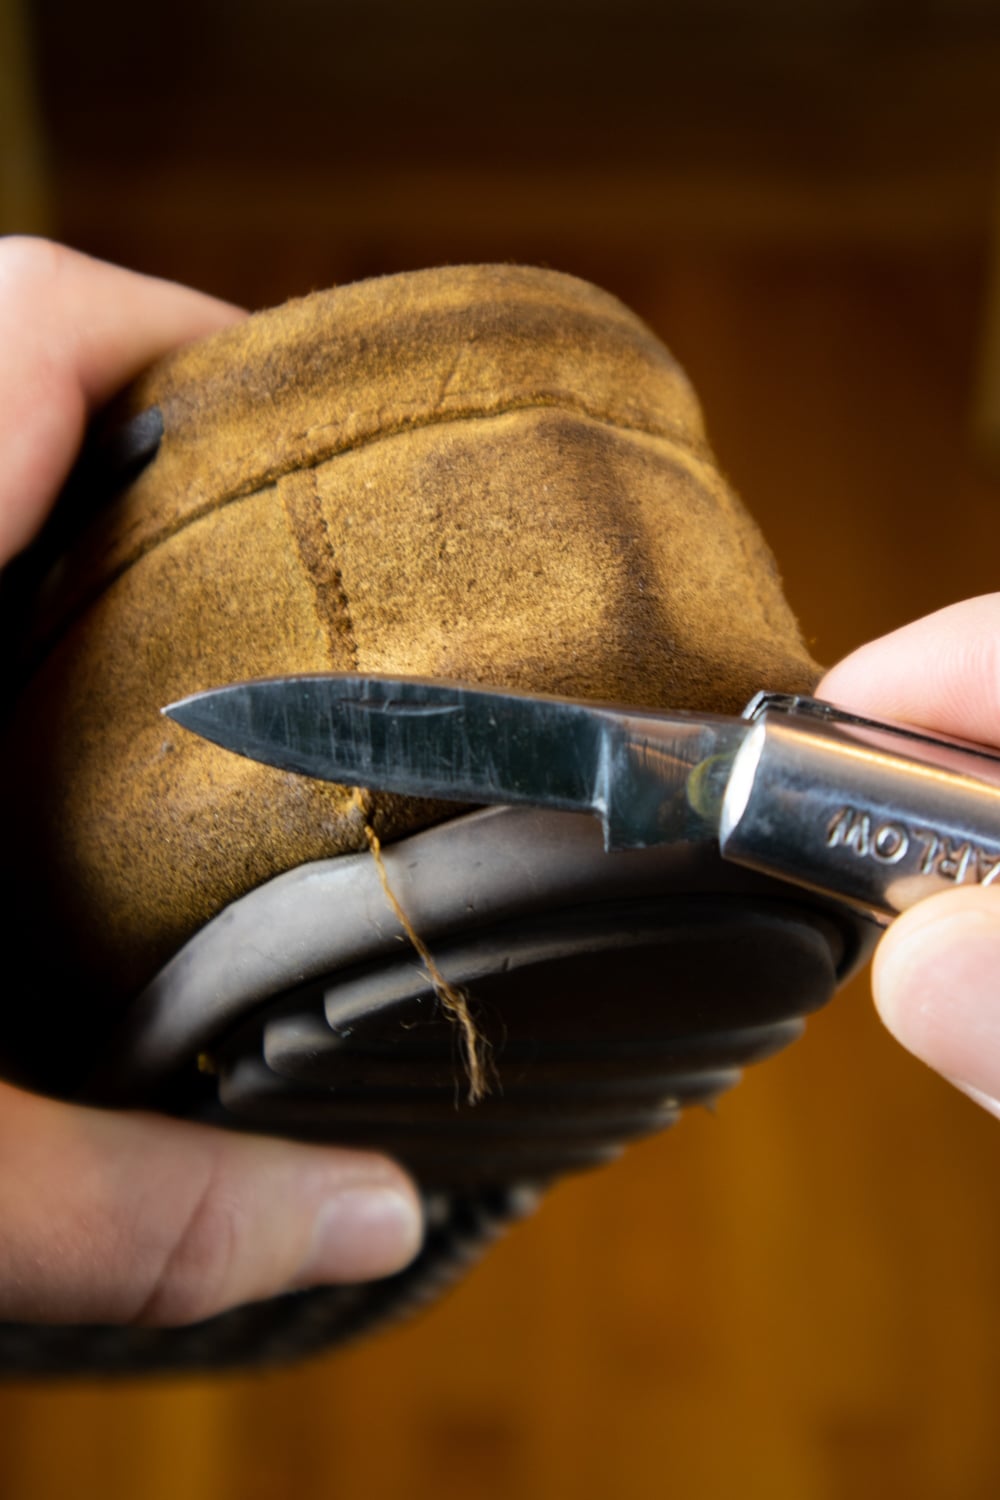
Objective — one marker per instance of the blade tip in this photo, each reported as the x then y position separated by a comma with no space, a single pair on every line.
179,710
189,712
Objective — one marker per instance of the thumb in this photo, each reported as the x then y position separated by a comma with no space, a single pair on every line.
936,979
119,1218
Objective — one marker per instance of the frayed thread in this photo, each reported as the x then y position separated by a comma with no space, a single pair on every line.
475,1047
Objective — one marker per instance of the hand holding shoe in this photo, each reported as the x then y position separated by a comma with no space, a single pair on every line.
125,1217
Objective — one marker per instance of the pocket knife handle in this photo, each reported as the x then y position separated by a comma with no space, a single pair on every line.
875,813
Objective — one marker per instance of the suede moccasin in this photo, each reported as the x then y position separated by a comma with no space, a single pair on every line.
493,475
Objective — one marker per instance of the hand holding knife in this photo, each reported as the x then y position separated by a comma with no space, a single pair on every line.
874,813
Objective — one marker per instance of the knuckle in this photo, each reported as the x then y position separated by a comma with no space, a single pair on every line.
192,1278
28,266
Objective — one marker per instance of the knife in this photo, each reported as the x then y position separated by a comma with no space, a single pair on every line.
873,813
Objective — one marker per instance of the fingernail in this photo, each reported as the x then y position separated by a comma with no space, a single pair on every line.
362,1233
937,987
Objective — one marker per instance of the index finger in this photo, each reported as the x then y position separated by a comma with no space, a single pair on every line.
941,672
73,331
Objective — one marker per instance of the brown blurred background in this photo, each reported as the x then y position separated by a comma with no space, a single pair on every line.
798,1295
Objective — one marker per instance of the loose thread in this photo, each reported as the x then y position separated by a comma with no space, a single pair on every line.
455,1003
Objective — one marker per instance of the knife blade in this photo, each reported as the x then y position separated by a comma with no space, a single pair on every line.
873,813
650,778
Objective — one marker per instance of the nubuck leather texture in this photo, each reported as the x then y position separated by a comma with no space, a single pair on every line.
487,474
491,474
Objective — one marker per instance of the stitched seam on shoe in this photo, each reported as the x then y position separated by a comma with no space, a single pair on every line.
303,510
539,402
270,478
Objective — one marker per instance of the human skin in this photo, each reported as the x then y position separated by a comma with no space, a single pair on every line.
129,1217
936,976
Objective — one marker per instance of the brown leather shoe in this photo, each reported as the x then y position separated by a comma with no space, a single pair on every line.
490,474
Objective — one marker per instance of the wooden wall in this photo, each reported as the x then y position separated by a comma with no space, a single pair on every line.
794,1297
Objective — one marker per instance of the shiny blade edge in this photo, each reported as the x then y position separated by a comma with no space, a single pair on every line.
411,736
652,778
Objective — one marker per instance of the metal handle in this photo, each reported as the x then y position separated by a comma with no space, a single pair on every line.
876,813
